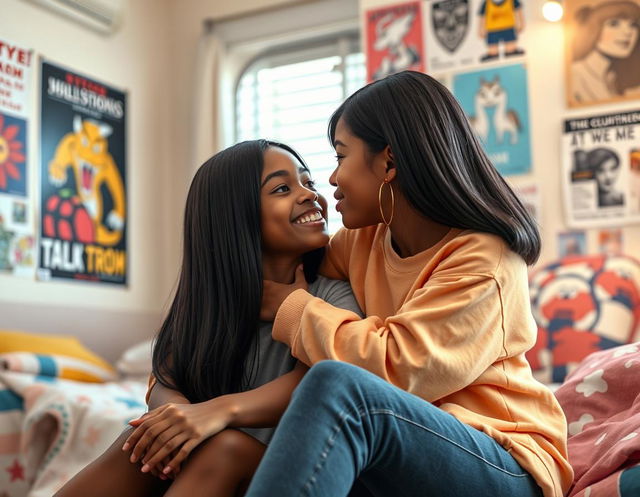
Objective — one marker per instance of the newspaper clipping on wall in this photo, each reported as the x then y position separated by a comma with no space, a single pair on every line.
601,169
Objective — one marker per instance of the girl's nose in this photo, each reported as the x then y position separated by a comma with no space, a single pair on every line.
332,178
308,195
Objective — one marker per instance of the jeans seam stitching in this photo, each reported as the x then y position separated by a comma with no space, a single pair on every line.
387,411
329,444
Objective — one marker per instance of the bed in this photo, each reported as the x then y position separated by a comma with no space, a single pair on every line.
61,406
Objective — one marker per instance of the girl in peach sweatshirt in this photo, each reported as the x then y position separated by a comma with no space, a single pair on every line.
431,393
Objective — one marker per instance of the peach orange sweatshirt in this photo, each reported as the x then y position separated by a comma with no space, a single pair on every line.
450,324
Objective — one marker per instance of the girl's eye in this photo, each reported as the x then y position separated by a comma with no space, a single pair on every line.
339,157
281,189
613,22
311,184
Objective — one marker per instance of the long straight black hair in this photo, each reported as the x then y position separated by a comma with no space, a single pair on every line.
442,168
204,343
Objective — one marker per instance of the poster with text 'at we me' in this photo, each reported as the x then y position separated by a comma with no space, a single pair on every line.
83,222
17,254
601,169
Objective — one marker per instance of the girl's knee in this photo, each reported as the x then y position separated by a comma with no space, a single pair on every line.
227,447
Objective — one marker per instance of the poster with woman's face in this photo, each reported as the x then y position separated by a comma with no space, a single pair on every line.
602,51
599,180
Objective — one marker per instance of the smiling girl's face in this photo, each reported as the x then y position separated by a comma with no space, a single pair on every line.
618,37
293,214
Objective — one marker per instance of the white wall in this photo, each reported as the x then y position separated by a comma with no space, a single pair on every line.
134,59
547,108
137,59
152,57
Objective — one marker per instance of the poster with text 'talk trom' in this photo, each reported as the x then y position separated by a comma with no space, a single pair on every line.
83,222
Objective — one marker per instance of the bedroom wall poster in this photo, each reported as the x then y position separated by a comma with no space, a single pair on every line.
602,51
601,170
394,40
610,241
83,222
17,253
497,103
529,195
461,33
572,243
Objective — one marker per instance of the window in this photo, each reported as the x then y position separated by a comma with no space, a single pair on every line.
289,97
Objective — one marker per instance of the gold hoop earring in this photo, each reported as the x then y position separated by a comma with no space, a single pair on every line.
393,202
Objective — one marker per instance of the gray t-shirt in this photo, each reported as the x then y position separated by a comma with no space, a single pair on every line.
274,358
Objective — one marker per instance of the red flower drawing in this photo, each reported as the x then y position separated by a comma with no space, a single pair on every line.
10,153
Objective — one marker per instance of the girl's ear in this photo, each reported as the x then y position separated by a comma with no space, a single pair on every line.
391,164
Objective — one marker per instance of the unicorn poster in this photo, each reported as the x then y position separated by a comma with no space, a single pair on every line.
496,102
394,40
462,33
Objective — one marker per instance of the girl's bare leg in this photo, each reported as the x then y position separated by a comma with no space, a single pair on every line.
220,467
112,474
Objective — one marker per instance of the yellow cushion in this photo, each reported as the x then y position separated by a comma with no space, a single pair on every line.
56,345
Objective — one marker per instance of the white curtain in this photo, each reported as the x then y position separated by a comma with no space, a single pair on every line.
206,109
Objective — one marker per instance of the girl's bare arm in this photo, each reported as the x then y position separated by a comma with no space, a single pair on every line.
182,425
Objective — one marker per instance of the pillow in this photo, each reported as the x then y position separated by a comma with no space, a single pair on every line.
52,356
136,360
582,304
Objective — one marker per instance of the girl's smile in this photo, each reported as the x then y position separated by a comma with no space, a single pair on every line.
293,213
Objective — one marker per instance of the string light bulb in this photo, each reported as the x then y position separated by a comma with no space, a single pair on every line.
552,10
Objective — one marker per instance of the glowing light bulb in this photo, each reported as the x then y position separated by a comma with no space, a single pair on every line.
552,10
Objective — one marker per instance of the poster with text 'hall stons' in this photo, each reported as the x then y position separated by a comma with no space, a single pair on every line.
83,220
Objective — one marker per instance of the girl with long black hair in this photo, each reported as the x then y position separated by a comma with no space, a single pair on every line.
252,213
431,393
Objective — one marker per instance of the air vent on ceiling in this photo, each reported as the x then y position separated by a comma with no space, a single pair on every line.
102,15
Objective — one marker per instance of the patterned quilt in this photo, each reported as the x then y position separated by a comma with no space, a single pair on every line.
50,428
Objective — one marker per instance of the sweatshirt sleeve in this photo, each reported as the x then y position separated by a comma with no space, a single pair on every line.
448,333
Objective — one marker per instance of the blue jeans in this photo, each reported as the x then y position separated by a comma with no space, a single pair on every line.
344,423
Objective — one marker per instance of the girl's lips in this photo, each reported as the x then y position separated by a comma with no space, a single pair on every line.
339,205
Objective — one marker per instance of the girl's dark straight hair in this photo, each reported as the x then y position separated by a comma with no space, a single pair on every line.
204,343
442,168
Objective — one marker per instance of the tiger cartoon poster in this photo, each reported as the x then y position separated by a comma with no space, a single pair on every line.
83,200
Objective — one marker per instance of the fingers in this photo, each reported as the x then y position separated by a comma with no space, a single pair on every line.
148,437
163,440
181,455
151,459
138,432
144,435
